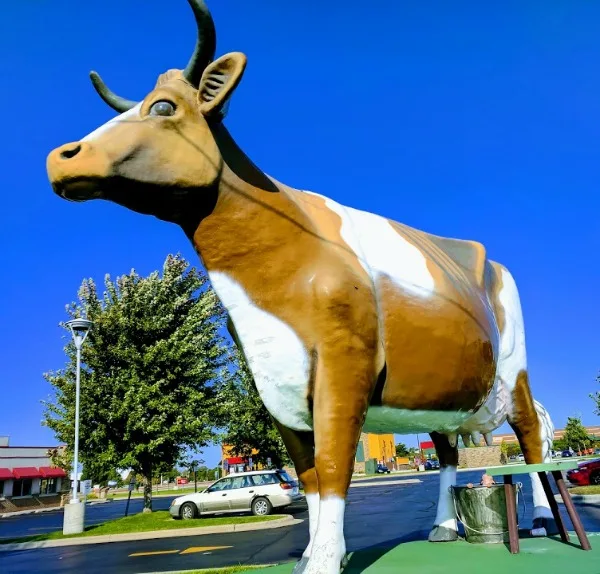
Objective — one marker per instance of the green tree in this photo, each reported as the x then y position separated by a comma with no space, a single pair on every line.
413,451
150,371
510,448
560,444
401,449
575,435
596,398
247,423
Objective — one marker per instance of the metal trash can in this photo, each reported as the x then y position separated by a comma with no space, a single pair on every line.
482,511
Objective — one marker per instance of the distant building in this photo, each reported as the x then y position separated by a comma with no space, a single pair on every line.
26,472
593,431
379,446
230,462
370,446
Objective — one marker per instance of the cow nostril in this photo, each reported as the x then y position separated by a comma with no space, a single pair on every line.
70,152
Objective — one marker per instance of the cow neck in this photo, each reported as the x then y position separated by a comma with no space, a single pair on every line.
255,220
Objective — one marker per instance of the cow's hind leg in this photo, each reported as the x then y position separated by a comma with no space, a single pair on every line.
300,446
444,527
535,431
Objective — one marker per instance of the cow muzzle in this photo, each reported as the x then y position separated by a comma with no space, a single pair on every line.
76,169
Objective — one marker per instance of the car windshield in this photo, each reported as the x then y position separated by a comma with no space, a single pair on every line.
223,484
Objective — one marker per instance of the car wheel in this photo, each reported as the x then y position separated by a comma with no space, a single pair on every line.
261,506
188,511
595,478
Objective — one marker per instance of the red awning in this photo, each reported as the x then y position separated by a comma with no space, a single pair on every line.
6,474
26,472
52,472
235,460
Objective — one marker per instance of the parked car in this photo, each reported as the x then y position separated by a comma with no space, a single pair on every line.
382,469
521,457
432,464
586,473
257,491
566,453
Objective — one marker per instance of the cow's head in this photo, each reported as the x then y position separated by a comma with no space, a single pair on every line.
158,152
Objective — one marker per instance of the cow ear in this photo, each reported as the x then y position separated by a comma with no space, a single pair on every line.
219,80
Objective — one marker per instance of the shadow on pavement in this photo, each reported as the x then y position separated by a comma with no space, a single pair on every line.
368,556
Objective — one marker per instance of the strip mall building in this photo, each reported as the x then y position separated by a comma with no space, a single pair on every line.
592,431
27,476
381,447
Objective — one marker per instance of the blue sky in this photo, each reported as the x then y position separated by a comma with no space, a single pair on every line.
466,120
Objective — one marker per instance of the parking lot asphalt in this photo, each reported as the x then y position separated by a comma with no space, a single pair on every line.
380,515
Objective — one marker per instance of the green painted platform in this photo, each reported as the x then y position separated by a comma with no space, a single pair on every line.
505,470
543,555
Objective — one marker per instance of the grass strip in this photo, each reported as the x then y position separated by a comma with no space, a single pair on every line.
226,570
594,489
142,522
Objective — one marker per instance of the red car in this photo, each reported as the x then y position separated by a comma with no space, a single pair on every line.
587,473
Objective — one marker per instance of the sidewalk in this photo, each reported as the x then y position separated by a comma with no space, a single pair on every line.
286,520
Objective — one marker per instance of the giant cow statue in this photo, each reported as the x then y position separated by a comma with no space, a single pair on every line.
348,320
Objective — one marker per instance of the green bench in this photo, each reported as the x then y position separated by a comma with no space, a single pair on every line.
556,469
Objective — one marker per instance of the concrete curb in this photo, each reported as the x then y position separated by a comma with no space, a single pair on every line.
386,482
50,509
402,473
287,520
31,511
581,498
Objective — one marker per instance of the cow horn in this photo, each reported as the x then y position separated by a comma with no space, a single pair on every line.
115,102
206,43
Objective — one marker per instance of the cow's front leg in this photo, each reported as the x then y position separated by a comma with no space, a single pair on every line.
445,527
301,448
341,401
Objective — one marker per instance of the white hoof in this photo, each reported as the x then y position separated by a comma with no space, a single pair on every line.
442,534
327,558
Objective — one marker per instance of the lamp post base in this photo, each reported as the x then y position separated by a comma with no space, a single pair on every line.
74,517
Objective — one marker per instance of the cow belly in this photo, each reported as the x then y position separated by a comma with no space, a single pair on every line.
441,354
276,356
439,332
383,420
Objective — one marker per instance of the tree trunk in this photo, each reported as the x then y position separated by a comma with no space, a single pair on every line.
148,491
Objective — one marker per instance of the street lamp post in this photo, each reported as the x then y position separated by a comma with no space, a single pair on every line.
74,511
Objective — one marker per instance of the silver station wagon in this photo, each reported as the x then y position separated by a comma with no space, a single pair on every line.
258,491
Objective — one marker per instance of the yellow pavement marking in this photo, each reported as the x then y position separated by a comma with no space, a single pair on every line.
154,553
193,549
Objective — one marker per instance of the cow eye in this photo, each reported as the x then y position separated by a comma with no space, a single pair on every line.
162,108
